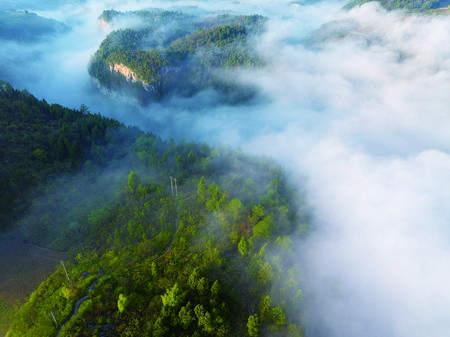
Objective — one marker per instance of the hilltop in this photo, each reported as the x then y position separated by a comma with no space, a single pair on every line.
171,53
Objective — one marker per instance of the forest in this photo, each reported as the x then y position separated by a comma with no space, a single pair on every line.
187,240
179,54
412,5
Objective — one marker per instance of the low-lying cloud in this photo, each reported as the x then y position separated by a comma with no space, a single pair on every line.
372,136
362,114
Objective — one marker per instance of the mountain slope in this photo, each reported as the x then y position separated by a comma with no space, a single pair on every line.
192,240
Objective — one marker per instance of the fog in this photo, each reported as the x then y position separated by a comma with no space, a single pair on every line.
357,112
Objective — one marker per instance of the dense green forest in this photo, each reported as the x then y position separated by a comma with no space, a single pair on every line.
39,141
179,54
193,240
413,5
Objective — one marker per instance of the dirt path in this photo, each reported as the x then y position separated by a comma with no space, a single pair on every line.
23,267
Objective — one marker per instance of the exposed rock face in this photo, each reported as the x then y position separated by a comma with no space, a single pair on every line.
132,77
125,71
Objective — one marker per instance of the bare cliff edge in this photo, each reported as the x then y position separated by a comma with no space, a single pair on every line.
131,76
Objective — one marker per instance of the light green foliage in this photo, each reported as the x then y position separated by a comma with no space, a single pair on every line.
243,246
284,242
263,228
203,286
278,317
253,325
122,303
235,209
257,214
265,308
193,278
265,274
292,281
172,297
295,331
214,197
186,315
67,292
201,190
132,182
204,318
215,289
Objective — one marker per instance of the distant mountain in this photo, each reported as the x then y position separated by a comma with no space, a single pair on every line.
413,5
25,26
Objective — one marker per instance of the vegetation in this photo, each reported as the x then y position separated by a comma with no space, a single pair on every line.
206,255
183,57
413,5
39,141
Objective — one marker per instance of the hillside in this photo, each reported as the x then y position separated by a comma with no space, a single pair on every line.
415,6
162,238
172,53
28,27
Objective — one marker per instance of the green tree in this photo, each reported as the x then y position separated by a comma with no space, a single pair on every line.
263,228
204,318
235,209
215,289
40,155
133,181
284,242
243,246
122,303
265,273
278,318
186,316
193,278
203,286
253,325
265,308
295,331
172,296
201,191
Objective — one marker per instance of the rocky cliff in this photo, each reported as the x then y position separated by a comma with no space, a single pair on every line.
132,77
125,71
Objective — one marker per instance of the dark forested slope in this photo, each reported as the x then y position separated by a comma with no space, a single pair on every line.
40,140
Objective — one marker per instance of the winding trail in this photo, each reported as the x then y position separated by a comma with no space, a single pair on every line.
77,305
81,300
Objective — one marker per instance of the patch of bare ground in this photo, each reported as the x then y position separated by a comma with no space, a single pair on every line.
23,267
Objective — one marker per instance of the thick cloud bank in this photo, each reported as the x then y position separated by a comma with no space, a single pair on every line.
372,135
360,107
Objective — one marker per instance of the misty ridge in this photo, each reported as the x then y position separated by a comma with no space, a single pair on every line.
172,53
344,234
